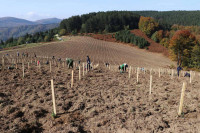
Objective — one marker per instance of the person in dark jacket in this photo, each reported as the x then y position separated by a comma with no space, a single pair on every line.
179,68
88,63
187,74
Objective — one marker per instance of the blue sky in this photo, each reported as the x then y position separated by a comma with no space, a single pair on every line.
39,9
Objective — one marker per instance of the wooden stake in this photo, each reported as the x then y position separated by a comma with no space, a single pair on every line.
83,69
190,77
39,65
16,65
137,75
151,71
53,97
72,80
172,74
159,72
150,85
79,72
23,69
129,73
182,98
3,62
50,65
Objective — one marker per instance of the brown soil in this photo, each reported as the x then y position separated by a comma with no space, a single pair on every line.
104,101
99,51
105,37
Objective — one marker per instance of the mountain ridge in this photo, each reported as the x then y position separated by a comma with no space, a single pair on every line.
16,22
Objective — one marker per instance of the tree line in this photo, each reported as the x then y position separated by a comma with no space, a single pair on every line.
101,22
169,18
128,37
46,36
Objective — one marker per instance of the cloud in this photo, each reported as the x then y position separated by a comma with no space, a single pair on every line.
36,16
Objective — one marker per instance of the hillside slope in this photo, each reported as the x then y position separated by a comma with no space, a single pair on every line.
13,22
154,47
78,47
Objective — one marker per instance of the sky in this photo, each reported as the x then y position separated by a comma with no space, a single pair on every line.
40,9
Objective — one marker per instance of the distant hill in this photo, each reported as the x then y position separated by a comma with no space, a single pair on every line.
15,27
48,21
7,32
14,22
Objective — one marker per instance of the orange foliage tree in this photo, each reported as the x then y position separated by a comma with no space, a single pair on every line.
181,46
148,25
158,36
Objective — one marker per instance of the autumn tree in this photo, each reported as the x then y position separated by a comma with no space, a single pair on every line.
181,46
148,25
62,32
196,56
165,42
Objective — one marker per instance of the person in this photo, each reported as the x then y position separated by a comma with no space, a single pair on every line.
35,55
123,67
179,68
53,57
17,54
70,62
187,74
79,61
107,64
47,62
88,63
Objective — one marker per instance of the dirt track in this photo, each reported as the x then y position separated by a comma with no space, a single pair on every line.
100,52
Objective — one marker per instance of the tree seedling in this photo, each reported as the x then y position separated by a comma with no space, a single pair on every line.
53,115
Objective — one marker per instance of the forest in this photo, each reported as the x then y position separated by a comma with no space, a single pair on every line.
185,18
101,22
